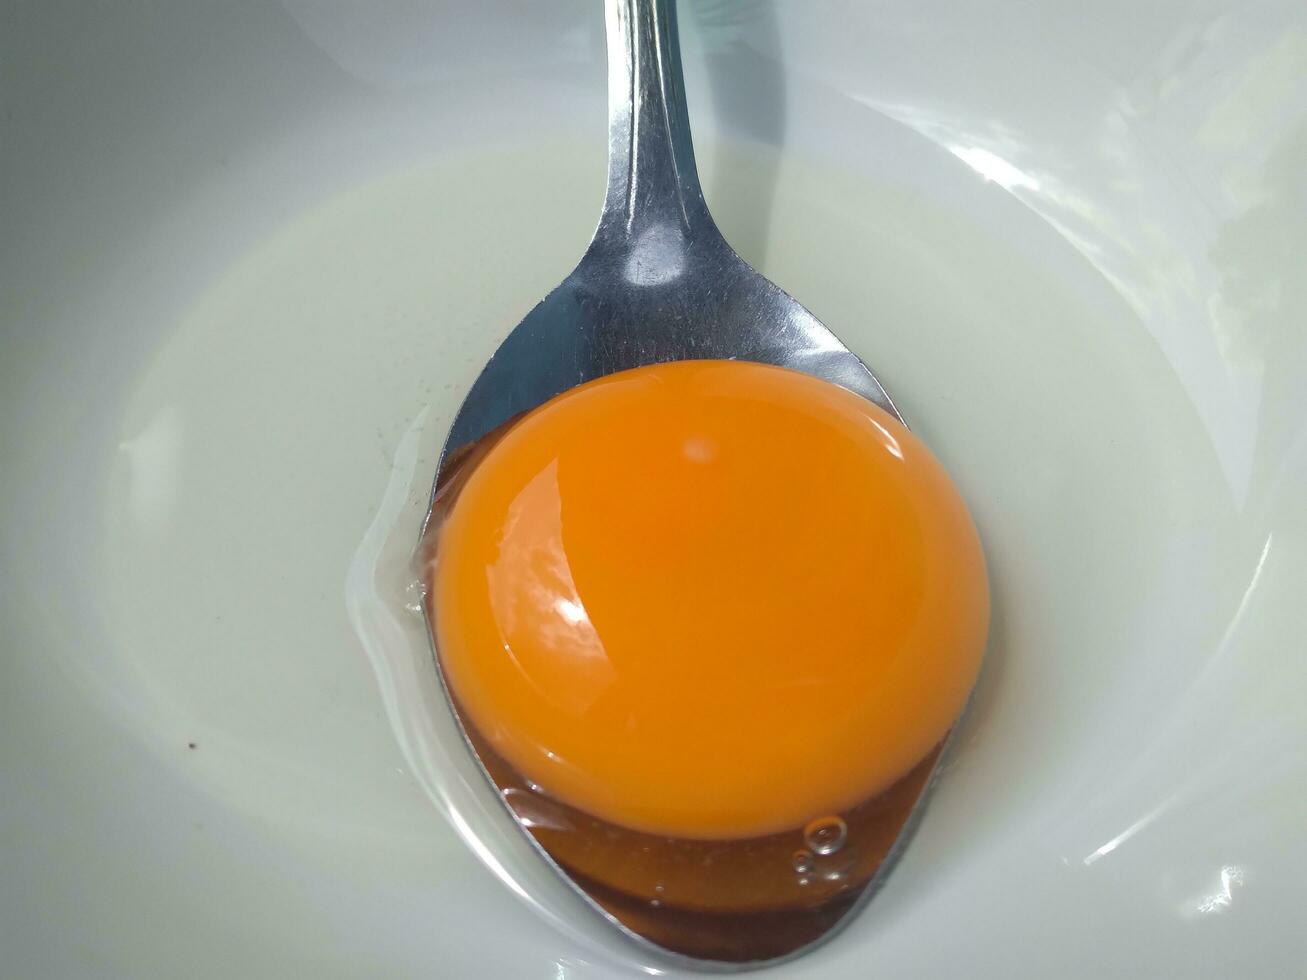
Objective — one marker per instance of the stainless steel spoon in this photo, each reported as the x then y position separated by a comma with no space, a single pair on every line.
659,283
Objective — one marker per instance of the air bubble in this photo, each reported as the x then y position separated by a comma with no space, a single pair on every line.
803,862
414,596
826,835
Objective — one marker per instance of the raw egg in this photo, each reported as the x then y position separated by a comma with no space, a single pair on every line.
709,599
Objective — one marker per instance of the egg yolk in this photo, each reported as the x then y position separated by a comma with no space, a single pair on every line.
709,599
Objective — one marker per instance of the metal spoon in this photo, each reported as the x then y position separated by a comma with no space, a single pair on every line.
659,283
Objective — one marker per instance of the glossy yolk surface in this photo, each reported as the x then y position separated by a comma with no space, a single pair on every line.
710,599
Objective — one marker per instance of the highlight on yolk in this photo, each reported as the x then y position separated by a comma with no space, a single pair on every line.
709,599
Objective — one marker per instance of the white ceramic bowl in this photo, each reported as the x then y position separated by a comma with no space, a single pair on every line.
243,248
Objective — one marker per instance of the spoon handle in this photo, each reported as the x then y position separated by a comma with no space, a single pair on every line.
652,179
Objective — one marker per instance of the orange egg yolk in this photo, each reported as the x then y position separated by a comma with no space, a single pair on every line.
709,599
